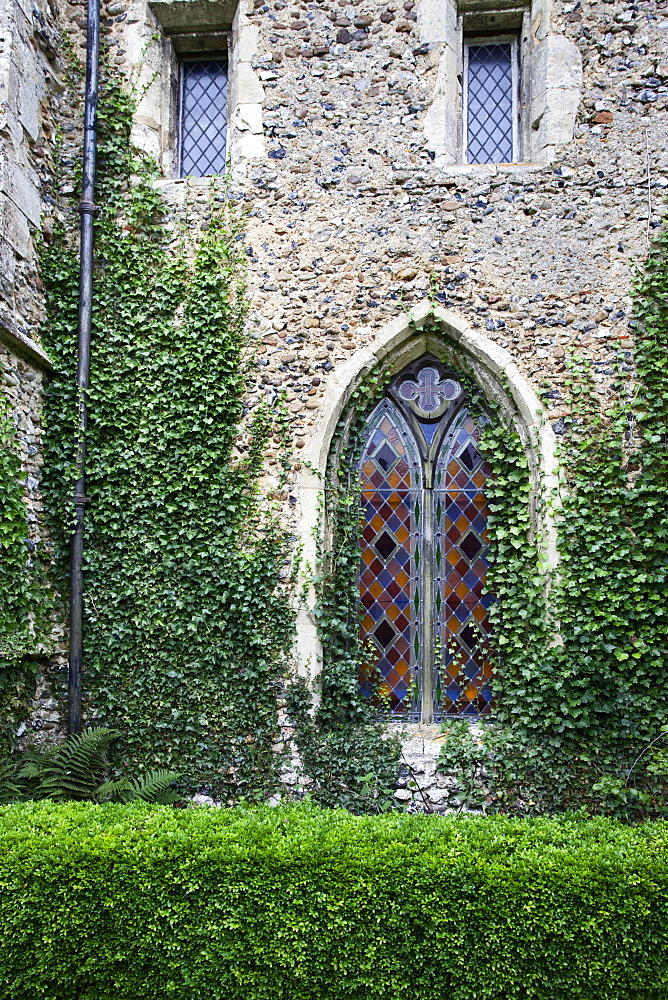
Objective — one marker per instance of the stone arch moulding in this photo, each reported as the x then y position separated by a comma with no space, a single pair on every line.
425,329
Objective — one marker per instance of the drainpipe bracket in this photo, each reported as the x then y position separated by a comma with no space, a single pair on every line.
88,208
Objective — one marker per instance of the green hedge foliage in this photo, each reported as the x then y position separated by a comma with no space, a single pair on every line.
148,902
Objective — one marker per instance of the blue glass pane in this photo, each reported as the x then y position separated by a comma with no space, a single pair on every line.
203,118
429,431
490,104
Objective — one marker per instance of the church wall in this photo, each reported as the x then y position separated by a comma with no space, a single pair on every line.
343,137
355,217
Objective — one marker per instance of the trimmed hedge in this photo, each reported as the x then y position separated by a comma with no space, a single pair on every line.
148,902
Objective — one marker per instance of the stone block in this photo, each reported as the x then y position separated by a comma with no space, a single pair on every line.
241,19
14,226
248,118
146,138
437,20
441,125
29,88
194,15
556,63
247,43
246,85
248,146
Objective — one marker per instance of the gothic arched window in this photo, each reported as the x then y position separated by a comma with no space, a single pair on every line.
423,549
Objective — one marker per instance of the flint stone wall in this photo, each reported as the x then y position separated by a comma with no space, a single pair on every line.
339,145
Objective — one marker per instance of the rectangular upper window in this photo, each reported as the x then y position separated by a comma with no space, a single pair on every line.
203,117
491,103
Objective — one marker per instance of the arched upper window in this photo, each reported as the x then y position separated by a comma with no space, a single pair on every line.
423,549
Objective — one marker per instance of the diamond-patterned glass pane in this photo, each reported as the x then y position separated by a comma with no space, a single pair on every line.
203,118
462,622
393,552
386,545
388,564
490,104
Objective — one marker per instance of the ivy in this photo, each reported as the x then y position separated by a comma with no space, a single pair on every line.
583,716
607,679
347,757
187,630
580,655
516,578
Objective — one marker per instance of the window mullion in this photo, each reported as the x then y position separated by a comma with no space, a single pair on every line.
515,71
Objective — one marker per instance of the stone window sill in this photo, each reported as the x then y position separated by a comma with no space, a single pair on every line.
484,170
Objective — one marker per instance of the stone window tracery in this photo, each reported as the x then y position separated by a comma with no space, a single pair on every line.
423,559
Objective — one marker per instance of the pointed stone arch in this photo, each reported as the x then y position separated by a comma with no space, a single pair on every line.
425,329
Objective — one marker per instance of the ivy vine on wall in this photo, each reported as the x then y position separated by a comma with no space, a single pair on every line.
580,714
186,627
581,674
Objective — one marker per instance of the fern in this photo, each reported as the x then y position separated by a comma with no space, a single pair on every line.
150,787
10,789
75,770
72,770
113,790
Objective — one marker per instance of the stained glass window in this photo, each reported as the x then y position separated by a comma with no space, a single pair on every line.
389,594
423,560
490,103
462,623
203,117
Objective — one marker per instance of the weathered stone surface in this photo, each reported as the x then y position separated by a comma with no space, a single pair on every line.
345,140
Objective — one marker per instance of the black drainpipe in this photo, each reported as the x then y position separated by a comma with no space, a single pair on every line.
87,210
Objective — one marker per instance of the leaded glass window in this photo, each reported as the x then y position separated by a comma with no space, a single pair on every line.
463,675
203,117
491,103
423,560
389,592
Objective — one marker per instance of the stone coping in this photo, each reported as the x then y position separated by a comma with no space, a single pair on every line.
23,345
